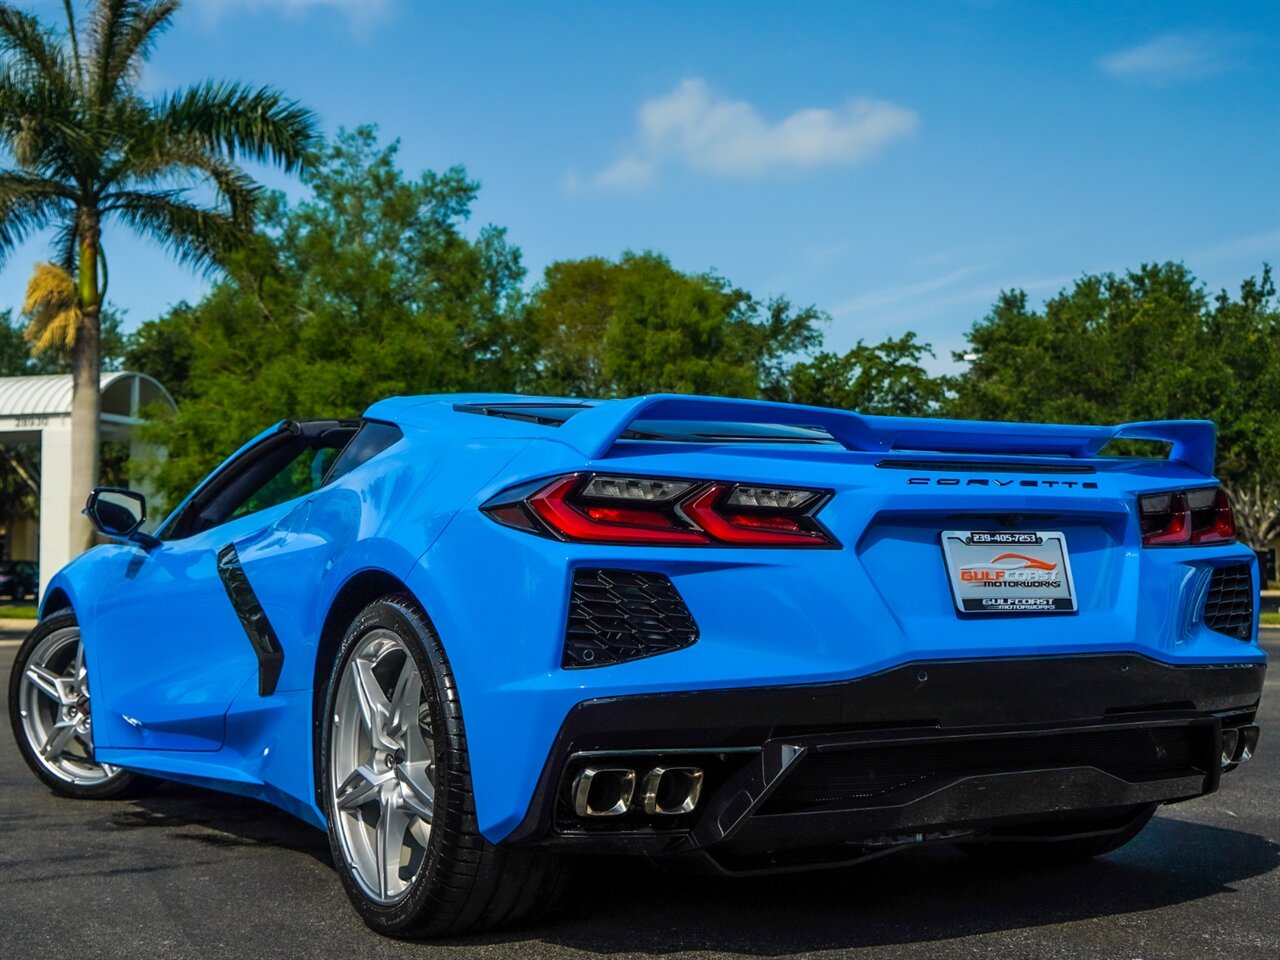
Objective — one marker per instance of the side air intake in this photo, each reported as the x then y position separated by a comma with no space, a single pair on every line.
1228,606
621,615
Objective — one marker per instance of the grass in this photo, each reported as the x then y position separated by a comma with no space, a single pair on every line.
17,612
1271,619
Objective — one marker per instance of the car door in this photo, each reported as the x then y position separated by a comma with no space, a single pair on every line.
180,634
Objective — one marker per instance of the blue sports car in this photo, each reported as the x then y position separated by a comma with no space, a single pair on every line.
474,637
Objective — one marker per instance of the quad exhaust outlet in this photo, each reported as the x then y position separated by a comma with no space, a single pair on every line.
611,791
1238,745
671,791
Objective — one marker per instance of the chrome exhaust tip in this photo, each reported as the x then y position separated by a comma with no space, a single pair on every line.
603,792
671,791
1230,740
1248,743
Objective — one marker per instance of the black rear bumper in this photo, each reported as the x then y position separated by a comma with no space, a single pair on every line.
927,750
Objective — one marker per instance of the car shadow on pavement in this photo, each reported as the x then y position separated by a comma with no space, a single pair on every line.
619,905
219,820
919,896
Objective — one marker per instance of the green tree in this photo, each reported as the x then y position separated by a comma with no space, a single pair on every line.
165,349
19,464
1146,345
15,357
886,378
88,149
17,360
367,288
1245,334
599,328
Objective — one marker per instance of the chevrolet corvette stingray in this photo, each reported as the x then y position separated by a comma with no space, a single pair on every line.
474,637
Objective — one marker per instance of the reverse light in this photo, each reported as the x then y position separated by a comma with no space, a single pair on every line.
635,488
1199,517
597,508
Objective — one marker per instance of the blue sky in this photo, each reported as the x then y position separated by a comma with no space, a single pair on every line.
895,164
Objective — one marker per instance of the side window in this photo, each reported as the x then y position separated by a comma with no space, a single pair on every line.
289,464
301,476
373,438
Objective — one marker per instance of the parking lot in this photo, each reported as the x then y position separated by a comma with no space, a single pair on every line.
187,873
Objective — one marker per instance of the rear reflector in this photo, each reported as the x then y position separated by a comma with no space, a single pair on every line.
1200,517
594,508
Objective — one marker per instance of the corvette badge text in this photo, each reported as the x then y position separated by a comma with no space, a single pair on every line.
995,482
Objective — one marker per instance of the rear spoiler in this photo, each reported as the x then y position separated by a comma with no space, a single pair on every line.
594,431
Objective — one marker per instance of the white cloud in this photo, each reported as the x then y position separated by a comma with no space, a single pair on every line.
878,299
360,13
1172,57
696,128
629,173
1258,246
938,303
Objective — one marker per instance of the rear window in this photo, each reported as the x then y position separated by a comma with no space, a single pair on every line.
663,431
711,431
548,414
373,438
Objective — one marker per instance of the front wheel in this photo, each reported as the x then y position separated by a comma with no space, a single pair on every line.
50,711
397,788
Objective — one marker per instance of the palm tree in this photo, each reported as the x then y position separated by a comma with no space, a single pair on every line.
88,150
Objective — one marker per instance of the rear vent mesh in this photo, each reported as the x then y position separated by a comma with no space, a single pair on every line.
620,615
1228,607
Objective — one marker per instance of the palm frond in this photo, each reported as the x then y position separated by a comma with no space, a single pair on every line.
157,157
14,183
39,121
66,240
52,309
195,236
24,212
105,25
37,88
34,48
86,143
73,34
237,121
124,33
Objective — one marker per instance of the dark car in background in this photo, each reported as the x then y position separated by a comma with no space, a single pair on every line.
19,580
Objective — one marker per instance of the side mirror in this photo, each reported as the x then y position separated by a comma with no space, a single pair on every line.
117,513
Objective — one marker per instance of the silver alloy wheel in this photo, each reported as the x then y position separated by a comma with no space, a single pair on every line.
382,766
53,699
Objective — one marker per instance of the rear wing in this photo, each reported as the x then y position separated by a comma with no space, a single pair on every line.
594,431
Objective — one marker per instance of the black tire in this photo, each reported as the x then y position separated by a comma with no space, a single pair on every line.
1054,846
465,883
119,784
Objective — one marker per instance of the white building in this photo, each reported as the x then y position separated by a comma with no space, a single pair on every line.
37,410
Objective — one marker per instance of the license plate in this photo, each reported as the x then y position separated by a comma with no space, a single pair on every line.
1009,571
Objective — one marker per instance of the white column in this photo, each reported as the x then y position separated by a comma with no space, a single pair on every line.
56,509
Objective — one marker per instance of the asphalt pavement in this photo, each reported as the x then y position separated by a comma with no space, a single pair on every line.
188,873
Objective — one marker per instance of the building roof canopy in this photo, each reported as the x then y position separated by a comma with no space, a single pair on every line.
124,395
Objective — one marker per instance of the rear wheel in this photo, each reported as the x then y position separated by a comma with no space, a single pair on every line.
1057,844
50,711
397,787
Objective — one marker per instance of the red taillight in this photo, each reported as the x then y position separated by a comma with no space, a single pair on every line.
554,503
595,508
757,529
1202,516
